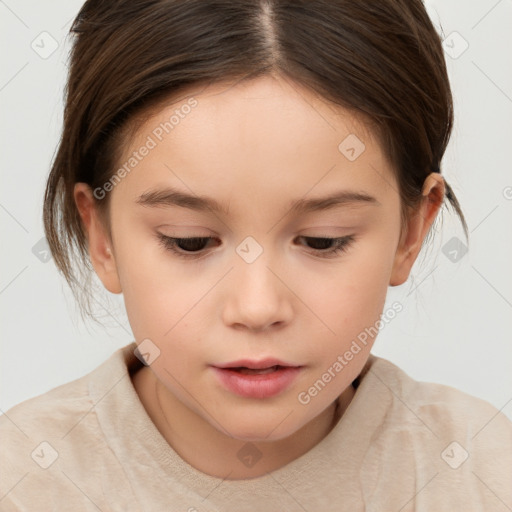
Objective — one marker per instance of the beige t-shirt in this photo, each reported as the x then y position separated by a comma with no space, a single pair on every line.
401,445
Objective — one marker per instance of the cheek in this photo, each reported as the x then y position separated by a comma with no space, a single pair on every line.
345,296
157,292
349,300
357,287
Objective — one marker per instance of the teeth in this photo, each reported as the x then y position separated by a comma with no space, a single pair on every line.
251,371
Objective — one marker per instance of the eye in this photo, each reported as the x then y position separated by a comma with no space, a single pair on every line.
191,247
328,247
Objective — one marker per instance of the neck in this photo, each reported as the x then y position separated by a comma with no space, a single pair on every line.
211,451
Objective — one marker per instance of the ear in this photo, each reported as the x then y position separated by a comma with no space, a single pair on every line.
100,245
417,228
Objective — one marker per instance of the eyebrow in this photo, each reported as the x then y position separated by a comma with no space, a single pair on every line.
172,197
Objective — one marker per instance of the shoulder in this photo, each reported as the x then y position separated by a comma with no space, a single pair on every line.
50,413
46,411
51,440
449,410
459,447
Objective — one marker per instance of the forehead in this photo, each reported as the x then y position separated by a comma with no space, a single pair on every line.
261,135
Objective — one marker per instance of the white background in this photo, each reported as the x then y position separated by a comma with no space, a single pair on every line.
457,318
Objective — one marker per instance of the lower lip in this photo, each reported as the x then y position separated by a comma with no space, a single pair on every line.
257,386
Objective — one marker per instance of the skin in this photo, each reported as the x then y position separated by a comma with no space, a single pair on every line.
254,147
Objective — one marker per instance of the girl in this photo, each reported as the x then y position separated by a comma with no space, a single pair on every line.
251,176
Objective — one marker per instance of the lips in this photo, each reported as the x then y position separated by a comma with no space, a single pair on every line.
256,379
255,371
262,364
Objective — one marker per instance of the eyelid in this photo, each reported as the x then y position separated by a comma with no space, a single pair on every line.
169,243
341,244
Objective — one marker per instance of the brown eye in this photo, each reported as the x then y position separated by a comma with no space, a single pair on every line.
191,244
194,246
326,247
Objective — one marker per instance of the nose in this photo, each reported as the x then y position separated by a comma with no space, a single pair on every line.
256,297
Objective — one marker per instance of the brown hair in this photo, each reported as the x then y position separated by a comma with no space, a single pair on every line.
382,59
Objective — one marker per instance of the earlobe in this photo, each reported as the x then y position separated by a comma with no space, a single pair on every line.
417,228
99,243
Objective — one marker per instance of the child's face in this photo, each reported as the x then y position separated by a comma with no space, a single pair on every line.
259,290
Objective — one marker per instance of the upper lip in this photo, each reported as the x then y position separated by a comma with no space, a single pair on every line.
255,365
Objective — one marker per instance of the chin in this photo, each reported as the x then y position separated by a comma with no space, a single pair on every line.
262,436
257,430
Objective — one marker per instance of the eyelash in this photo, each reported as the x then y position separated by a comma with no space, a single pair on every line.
341,245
